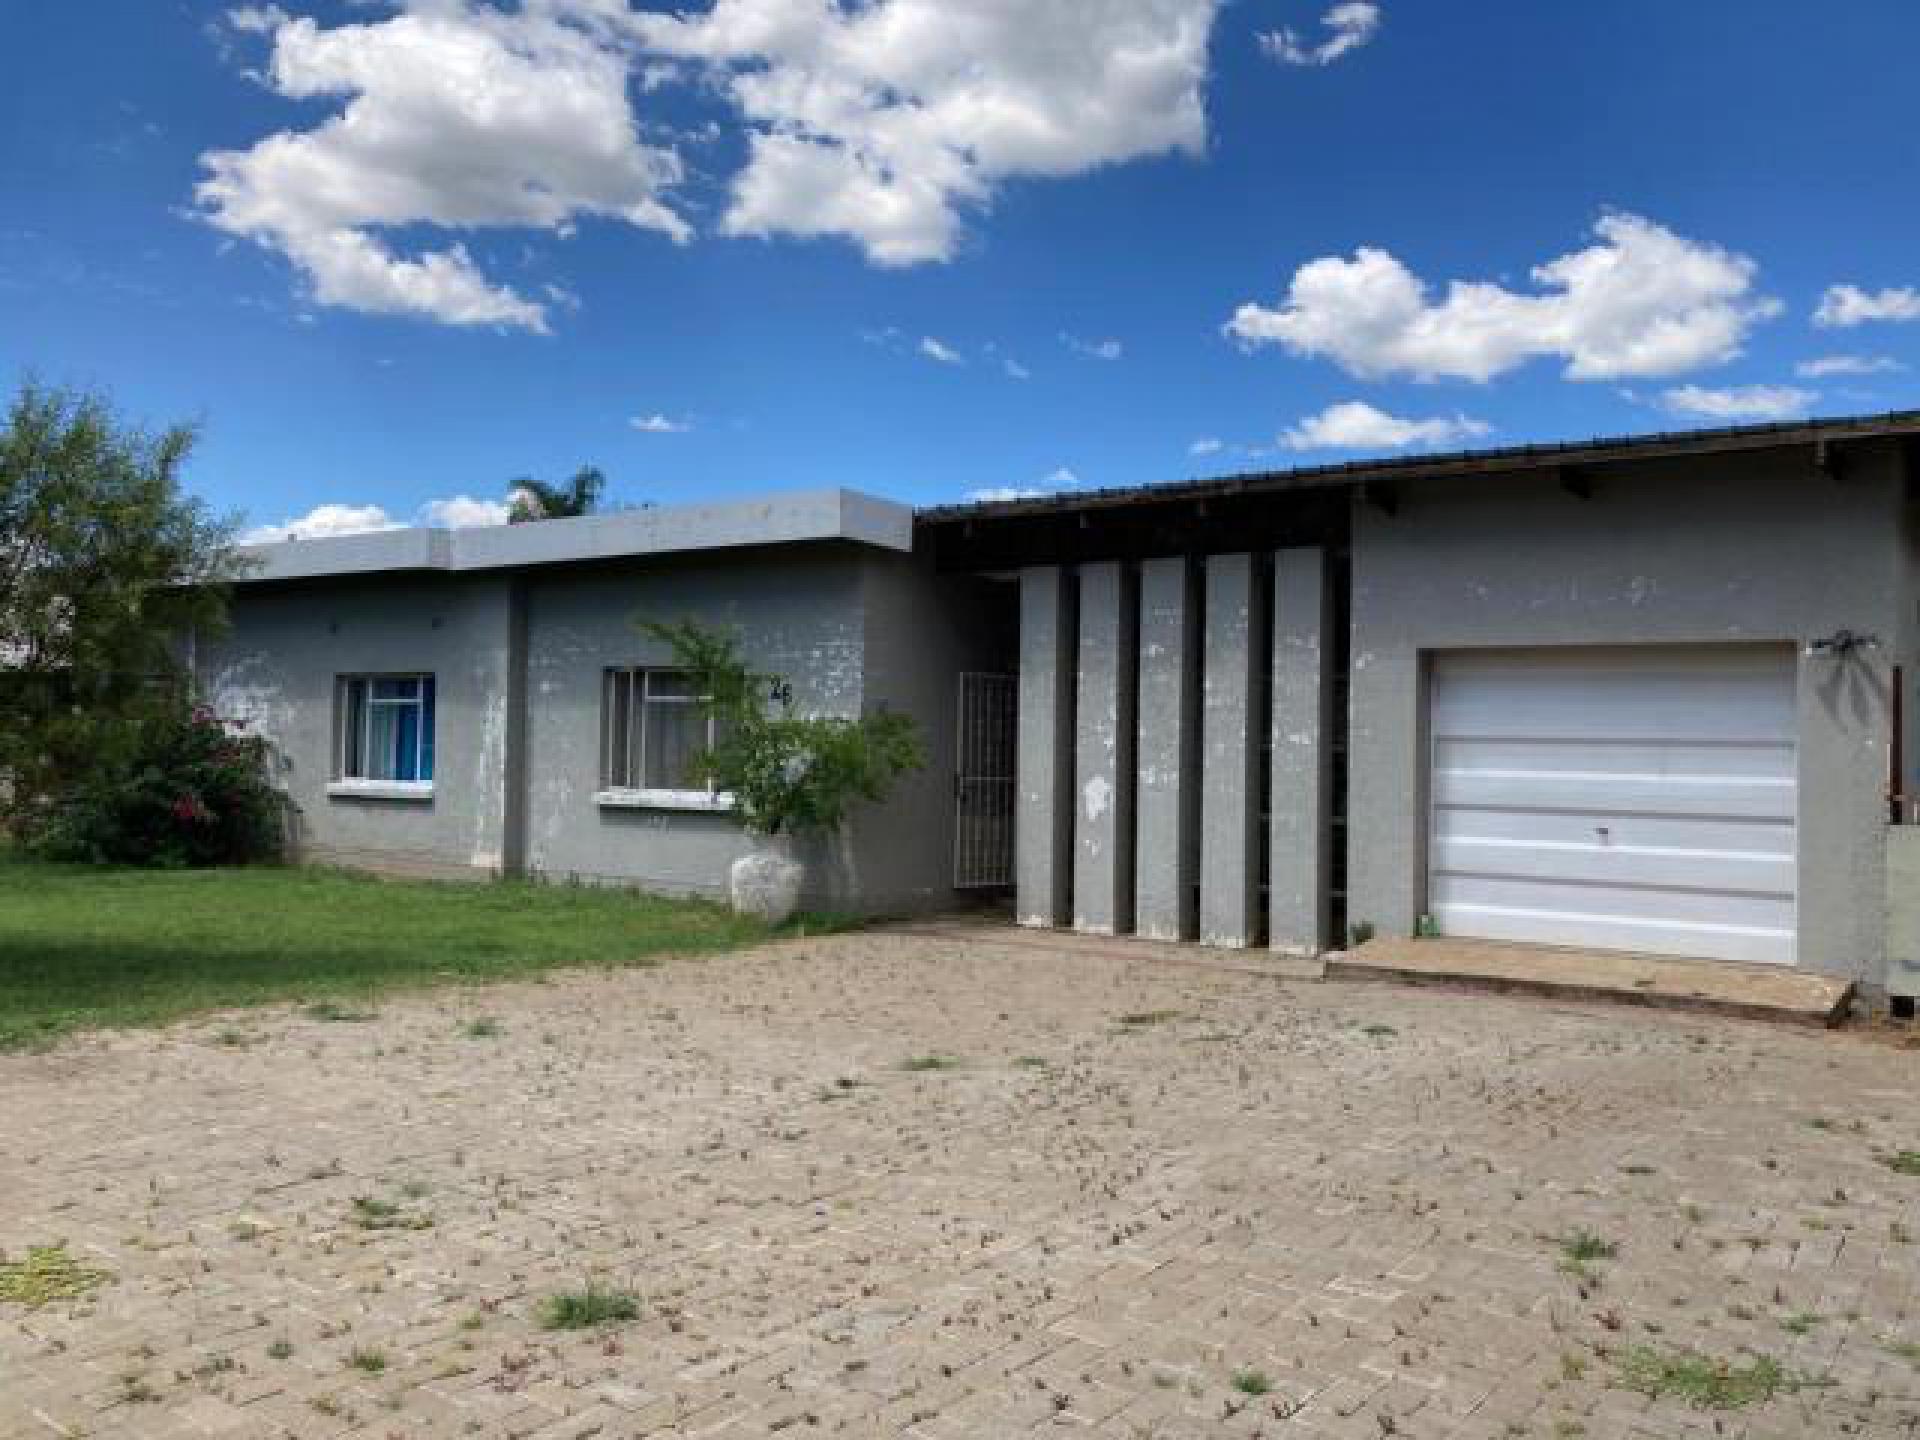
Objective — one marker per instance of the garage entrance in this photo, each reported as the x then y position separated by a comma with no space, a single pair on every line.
1627,799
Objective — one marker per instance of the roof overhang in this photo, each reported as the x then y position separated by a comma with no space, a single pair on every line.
794,518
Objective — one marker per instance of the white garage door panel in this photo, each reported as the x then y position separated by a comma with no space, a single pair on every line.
1627,799
1625,865
1593,793
1655,832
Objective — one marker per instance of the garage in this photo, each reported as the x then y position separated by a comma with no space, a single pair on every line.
1637,798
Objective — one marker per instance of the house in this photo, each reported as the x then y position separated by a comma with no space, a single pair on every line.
1643,694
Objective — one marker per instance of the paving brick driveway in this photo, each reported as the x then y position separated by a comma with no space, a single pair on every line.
1089,1222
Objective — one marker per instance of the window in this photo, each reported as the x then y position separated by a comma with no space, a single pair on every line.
655,729
386,728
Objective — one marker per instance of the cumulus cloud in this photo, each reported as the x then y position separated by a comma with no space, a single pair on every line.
1206,445
658,424
1824,366
464,512
1356,425
1642,301
322,521
1740,402
453,115
939,350
1349,26
886,122
1843,306
458,512
1108,349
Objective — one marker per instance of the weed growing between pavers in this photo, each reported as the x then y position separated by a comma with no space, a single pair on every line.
587,1309
369,1212
1578,1252
48,1274
1702,1381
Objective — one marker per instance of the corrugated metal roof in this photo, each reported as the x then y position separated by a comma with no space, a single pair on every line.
1654,445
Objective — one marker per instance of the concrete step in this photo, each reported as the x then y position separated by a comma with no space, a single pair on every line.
1761,992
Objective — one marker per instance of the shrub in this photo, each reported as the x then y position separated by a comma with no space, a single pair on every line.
180,789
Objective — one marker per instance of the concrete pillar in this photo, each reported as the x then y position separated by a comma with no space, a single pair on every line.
1231,734
1167,804
1298,899
1104,749
1043,818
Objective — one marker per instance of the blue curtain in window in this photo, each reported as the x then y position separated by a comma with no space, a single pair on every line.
406,742
426,728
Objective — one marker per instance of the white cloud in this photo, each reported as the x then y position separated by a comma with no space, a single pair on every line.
1847,305
464,512
322,521
936,350
459,512
257,19
1825,366
1642,301
449,114
1061,478
658,424
1356,425
1740,402
1350,25
1108,349
1206,445
1015,370
884,122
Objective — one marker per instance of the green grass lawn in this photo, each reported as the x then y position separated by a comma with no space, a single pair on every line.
83,947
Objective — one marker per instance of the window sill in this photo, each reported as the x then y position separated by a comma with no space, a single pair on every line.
380,789
702,801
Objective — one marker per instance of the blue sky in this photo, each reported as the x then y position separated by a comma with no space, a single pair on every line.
389,256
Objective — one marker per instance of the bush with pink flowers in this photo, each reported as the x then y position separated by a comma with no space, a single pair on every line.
185,789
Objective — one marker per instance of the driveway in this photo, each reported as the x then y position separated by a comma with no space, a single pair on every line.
883,1184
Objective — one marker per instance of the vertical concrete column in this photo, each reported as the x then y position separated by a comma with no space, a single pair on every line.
1301,776
1103,789
1043,818
1167,802
1230,740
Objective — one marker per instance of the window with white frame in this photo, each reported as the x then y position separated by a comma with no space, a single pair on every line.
655,728
386,728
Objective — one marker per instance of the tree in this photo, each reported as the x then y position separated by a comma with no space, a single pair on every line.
537,500
106,566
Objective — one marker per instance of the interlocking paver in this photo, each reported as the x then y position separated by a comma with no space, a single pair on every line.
1087,1226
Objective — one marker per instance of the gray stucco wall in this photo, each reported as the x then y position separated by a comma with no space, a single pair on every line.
797,615
276,670
849,626
1739,549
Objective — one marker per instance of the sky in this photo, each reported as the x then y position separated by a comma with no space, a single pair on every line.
389,257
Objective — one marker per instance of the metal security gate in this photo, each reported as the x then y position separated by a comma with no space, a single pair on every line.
983,785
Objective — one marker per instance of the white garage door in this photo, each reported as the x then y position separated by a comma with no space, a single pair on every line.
1629,799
